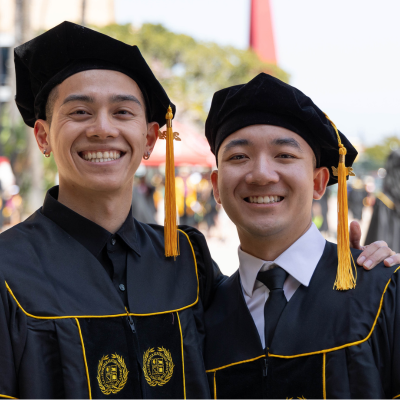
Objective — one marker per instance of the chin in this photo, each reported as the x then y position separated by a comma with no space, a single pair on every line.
265,229
103,185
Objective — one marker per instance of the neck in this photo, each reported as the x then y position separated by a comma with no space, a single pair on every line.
270,247
107,209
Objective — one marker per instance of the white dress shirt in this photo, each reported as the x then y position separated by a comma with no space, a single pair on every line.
299,261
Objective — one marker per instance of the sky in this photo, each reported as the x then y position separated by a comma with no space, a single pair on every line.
344,54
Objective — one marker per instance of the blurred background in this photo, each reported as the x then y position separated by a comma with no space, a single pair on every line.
345,55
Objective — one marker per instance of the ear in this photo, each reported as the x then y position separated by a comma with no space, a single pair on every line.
42,131
214,181
152,136
321,178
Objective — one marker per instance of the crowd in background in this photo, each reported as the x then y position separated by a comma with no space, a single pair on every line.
197,207
195,202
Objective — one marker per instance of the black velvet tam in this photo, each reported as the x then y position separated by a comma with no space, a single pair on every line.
269,101
49,59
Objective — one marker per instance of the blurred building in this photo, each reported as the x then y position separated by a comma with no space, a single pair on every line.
42,15
20,21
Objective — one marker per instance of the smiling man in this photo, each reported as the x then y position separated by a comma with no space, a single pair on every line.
90,306
279,327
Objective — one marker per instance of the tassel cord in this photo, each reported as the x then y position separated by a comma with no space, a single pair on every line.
170,226
345,277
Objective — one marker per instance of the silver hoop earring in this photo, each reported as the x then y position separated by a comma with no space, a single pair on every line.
147,156
46,155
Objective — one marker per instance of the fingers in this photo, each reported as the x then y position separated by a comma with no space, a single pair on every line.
392,260
374,254
355,235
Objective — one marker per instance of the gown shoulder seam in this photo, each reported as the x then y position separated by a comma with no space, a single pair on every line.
113,315
236,363
346,344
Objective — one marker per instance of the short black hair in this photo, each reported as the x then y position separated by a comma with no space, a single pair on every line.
51,99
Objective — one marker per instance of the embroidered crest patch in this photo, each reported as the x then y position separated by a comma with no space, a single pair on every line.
157,366
112,374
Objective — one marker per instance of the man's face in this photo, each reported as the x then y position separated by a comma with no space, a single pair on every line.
266,181
98,133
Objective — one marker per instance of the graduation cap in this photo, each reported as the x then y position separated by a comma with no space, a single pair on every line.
269,101
47,60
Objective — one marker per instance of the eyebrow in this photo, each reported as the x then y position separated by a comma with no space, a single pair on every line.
287,142
235,143
117,98
78,97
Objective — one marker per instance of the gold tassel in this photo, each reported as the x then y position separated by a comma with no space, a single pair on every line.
345,277
171,241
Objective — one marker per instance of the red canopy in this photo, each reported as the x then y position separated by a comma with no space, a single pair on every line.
261,31
193,149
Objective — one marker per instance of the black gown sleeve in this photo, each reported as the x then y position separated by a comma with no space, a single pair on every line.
384,225
385,340
8,375
210,276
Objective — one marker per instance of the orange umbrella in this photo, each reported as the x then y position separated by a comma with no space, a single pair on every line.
193,149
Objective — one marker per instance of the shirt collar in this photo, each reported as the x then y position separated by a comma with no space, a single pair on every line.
299,260
86,232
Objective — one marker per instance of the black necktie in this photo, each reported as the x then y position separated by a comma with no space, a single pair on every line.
273,279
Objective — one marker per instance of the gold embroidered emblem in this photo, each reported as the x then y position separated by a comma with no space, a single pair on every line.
112,374
157,366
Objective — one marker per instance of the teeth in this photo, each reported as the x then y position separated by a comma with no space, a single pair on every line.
101,156
265,199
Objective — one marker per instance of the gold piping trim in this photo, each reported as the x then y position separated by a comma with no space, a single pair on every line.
84,357
58,317
396,397
344,345
324,375
4,396
215,386
236,363
183,358
195,265
116,315
385,200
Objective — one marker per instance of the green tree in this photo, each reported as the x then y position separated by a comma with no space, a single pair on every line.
380,152
191,71
374,157
13,145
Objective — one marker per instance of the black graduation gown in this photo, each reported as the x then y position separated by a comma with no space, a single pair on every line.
356,202
385,224
64,330
327,344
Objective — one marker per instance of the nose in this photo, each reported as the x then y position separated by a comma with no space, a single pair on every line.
262,172
102,127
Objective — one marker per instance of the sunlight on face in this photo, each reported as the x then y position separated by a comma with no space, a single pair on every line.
265,180
99,130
